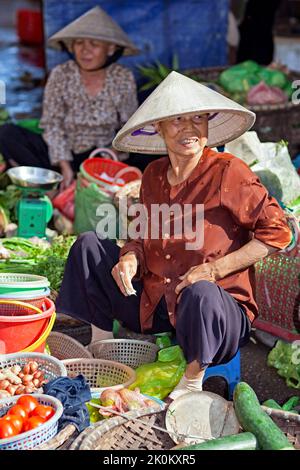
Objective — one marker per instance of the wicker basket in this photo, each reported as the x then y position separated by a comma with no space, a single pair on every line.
131,352
65,347
273,122
51,366
37,436
101,374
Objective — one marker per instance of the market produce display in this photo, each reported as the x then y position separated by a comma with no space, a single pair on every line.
248,83
16,380
121,401
25,415
36,256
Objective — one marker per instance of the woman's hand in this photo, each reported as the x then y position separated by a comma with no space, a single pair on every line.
67,174
124,271
203,272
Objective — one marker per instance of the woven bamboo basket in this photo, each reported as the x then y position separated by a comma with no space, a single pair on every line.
65,347
273,122
124,434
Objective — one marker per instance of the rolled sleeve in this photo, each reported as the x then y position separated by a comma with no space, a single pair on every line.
251,206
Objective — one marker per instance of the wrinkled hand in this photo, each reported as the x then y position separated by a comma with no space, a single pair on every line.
67,174
204,272
125,270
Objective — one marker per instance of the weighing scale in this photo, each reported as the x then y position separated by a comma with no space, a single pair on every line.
34,210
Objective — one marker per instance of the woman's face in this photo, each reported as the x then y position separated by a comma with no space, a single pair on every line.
91,54
185,135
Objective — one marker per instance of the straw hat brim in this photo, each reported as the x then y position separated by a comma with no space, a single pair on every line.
94,24
180,95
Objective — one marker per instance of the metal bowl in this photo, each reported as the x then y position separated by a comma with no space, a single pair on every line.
33,177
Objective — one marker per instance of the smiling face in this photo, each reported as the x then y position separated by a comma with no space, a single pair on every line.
185,135
91,54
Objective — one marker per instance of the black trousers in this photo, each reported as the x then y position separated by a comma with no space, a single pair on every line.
29,148
211,326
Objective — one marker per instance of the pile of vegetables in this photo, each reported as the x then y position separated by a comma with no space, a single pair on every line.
285,357
16,380
36,256
292,405
25,415
112,400
247,83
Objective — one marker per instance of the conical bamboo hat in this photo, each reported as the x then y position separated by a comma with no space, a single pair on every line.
178,95
94,24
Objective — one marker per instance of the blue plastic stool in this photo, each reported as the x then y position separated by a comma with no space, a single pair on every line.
231,372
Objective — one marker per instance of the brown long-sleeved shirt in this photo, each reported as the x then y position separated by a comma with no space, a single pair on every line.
236,208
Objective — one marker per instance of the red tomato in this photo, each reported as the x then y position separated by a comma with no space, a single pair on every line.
32,423
27,402
7,429
43,411
18,410
16,420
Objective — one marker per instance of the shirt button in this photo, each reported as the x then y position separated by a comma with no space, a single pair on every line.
166,235
146,305
168,256
167,280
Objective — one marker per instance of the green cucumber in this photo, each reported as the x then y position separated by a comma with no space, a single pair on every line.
272,404
243,441
253,419
291,404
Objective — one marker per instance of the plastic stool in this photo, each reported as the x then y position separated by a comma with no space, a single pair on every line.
231,372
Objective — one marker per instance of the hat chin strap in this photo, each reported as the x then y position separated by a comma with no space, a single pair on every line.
110,59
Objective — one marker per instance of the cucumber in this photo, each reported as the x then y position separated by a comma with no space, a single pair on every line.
243,441
272,404
253,419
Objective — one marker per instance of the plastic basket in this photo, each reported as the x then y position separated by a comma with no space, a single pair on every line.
14,282
120,173
52,367
278,296
35,299
131,352
35,437
17,308
101,374
65,347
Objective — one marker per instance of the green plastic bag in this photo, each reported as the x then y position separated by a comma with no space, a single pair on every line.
32,125
285,357
88,201
158,379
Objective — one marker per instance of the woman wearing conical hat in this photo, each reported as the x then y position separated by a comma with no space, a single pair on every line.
208,220
86,101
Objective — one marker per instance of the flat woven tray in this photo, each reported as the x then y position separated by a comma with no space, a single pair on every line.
122,434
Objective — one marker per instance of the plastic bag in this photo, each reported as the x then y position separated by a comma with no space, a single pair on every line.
158,379
88,201
247,147
64,202
277,173
265,94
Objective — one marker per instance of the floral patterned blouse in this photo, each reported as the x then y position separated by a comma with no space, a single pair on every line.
74,121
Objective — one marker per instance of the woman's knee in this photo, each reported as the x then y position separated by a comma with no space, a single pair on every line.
200,290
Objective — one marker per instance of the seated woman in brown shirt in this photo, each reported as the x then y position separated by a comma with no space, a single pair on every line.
86,99
193,276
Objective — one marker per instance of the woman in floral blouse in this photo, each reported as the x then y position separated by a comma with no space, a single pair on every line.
86,100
